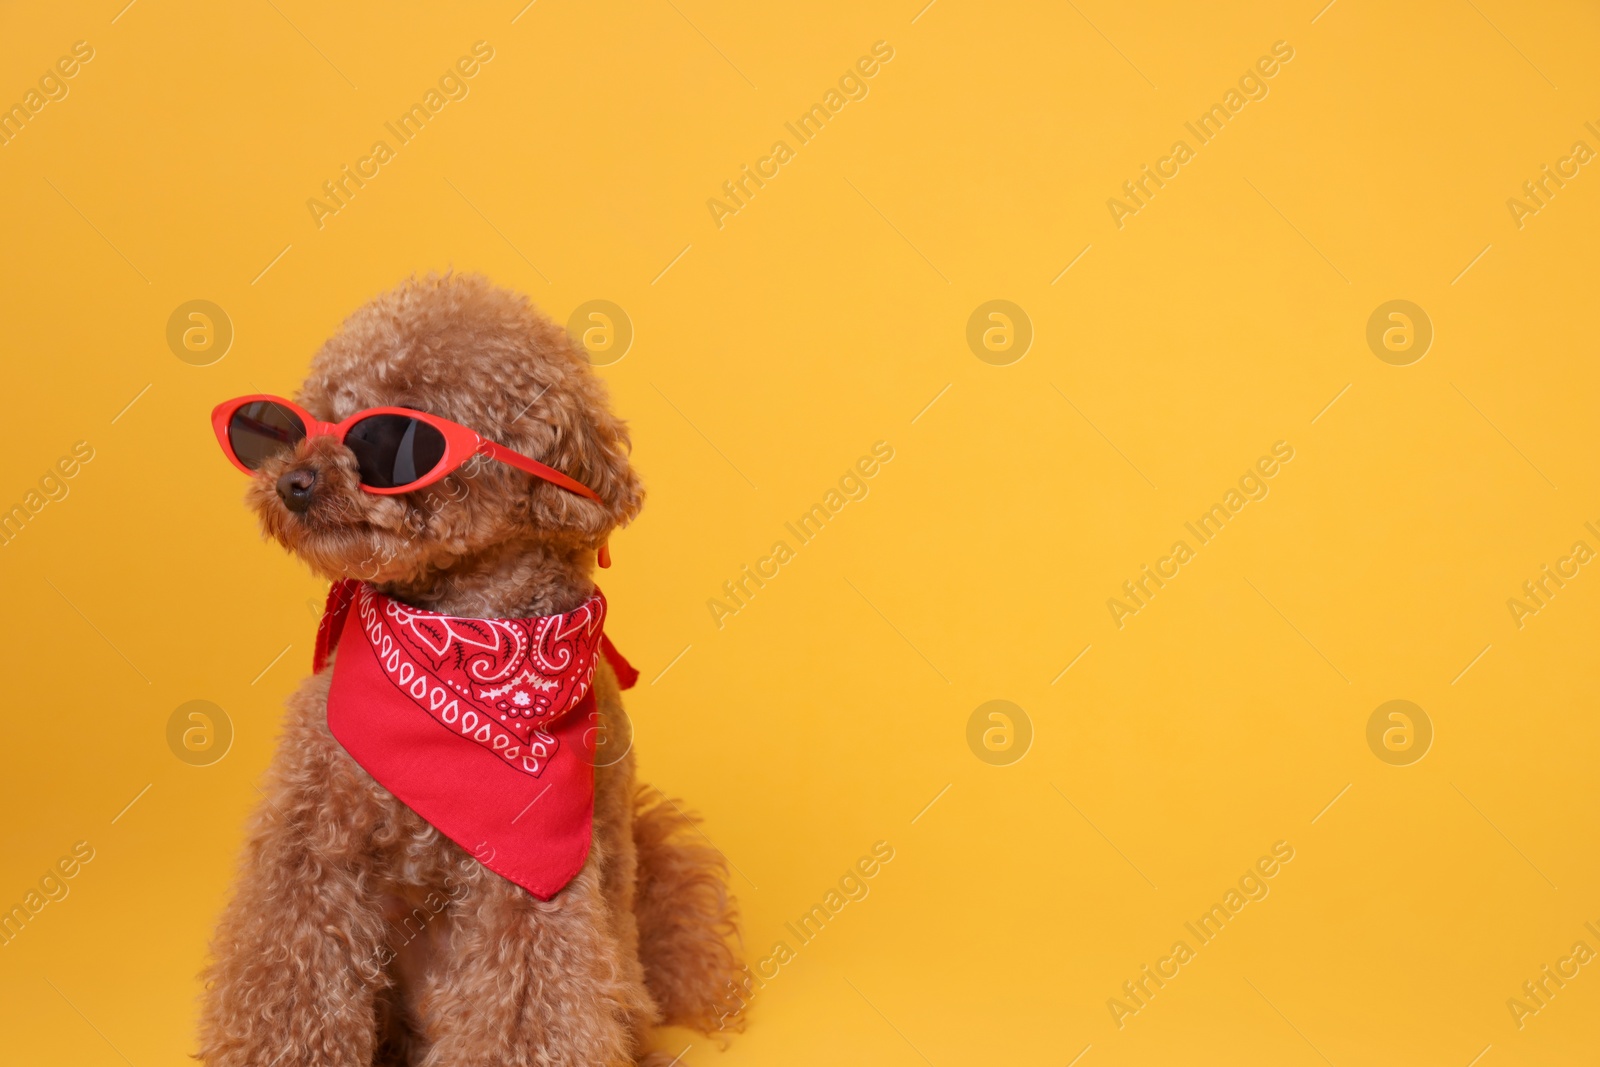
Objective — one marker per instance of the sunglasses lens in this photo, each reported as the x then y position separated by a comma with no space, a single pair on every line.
394,450
261,429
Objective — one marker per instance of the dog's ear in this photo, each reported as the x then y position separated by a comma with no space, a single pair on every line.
592,445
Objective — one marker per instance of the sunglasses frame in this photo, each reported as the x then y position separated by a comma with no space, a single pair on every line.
460,443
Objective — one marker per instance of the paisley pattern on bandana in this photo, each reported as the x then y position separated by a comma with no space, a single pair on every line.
496,681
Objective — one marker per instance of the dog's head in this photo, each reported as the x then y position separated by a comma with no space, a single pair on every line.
459,348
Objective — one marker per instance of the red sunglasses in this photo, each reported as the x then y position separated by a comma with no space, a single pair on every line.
398,450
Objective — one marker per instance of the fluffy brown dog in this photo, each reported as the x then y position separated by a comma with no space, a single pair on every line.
359,934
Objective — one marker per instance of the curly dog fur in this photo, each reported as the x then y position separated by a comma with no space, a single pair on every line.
358,935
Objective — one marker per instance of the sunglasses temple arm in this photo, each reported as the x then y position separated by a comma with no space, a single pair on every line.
537,469
549,474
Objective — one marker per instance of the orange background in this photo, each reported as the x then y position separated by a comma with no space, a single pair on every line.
831,312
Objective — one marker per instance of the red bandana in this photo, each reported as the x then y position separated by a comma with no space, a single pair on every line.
484,727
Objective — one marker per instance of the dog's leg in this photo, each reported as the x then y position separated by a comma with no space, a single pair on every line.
287,986
557,982
686,917
300,950
528,982
299,955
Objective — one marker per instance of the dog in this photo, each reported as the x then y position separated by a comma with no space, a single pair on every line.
358,933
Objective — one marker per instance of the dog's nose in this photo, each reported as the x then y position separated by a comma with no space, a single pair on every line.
294,488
